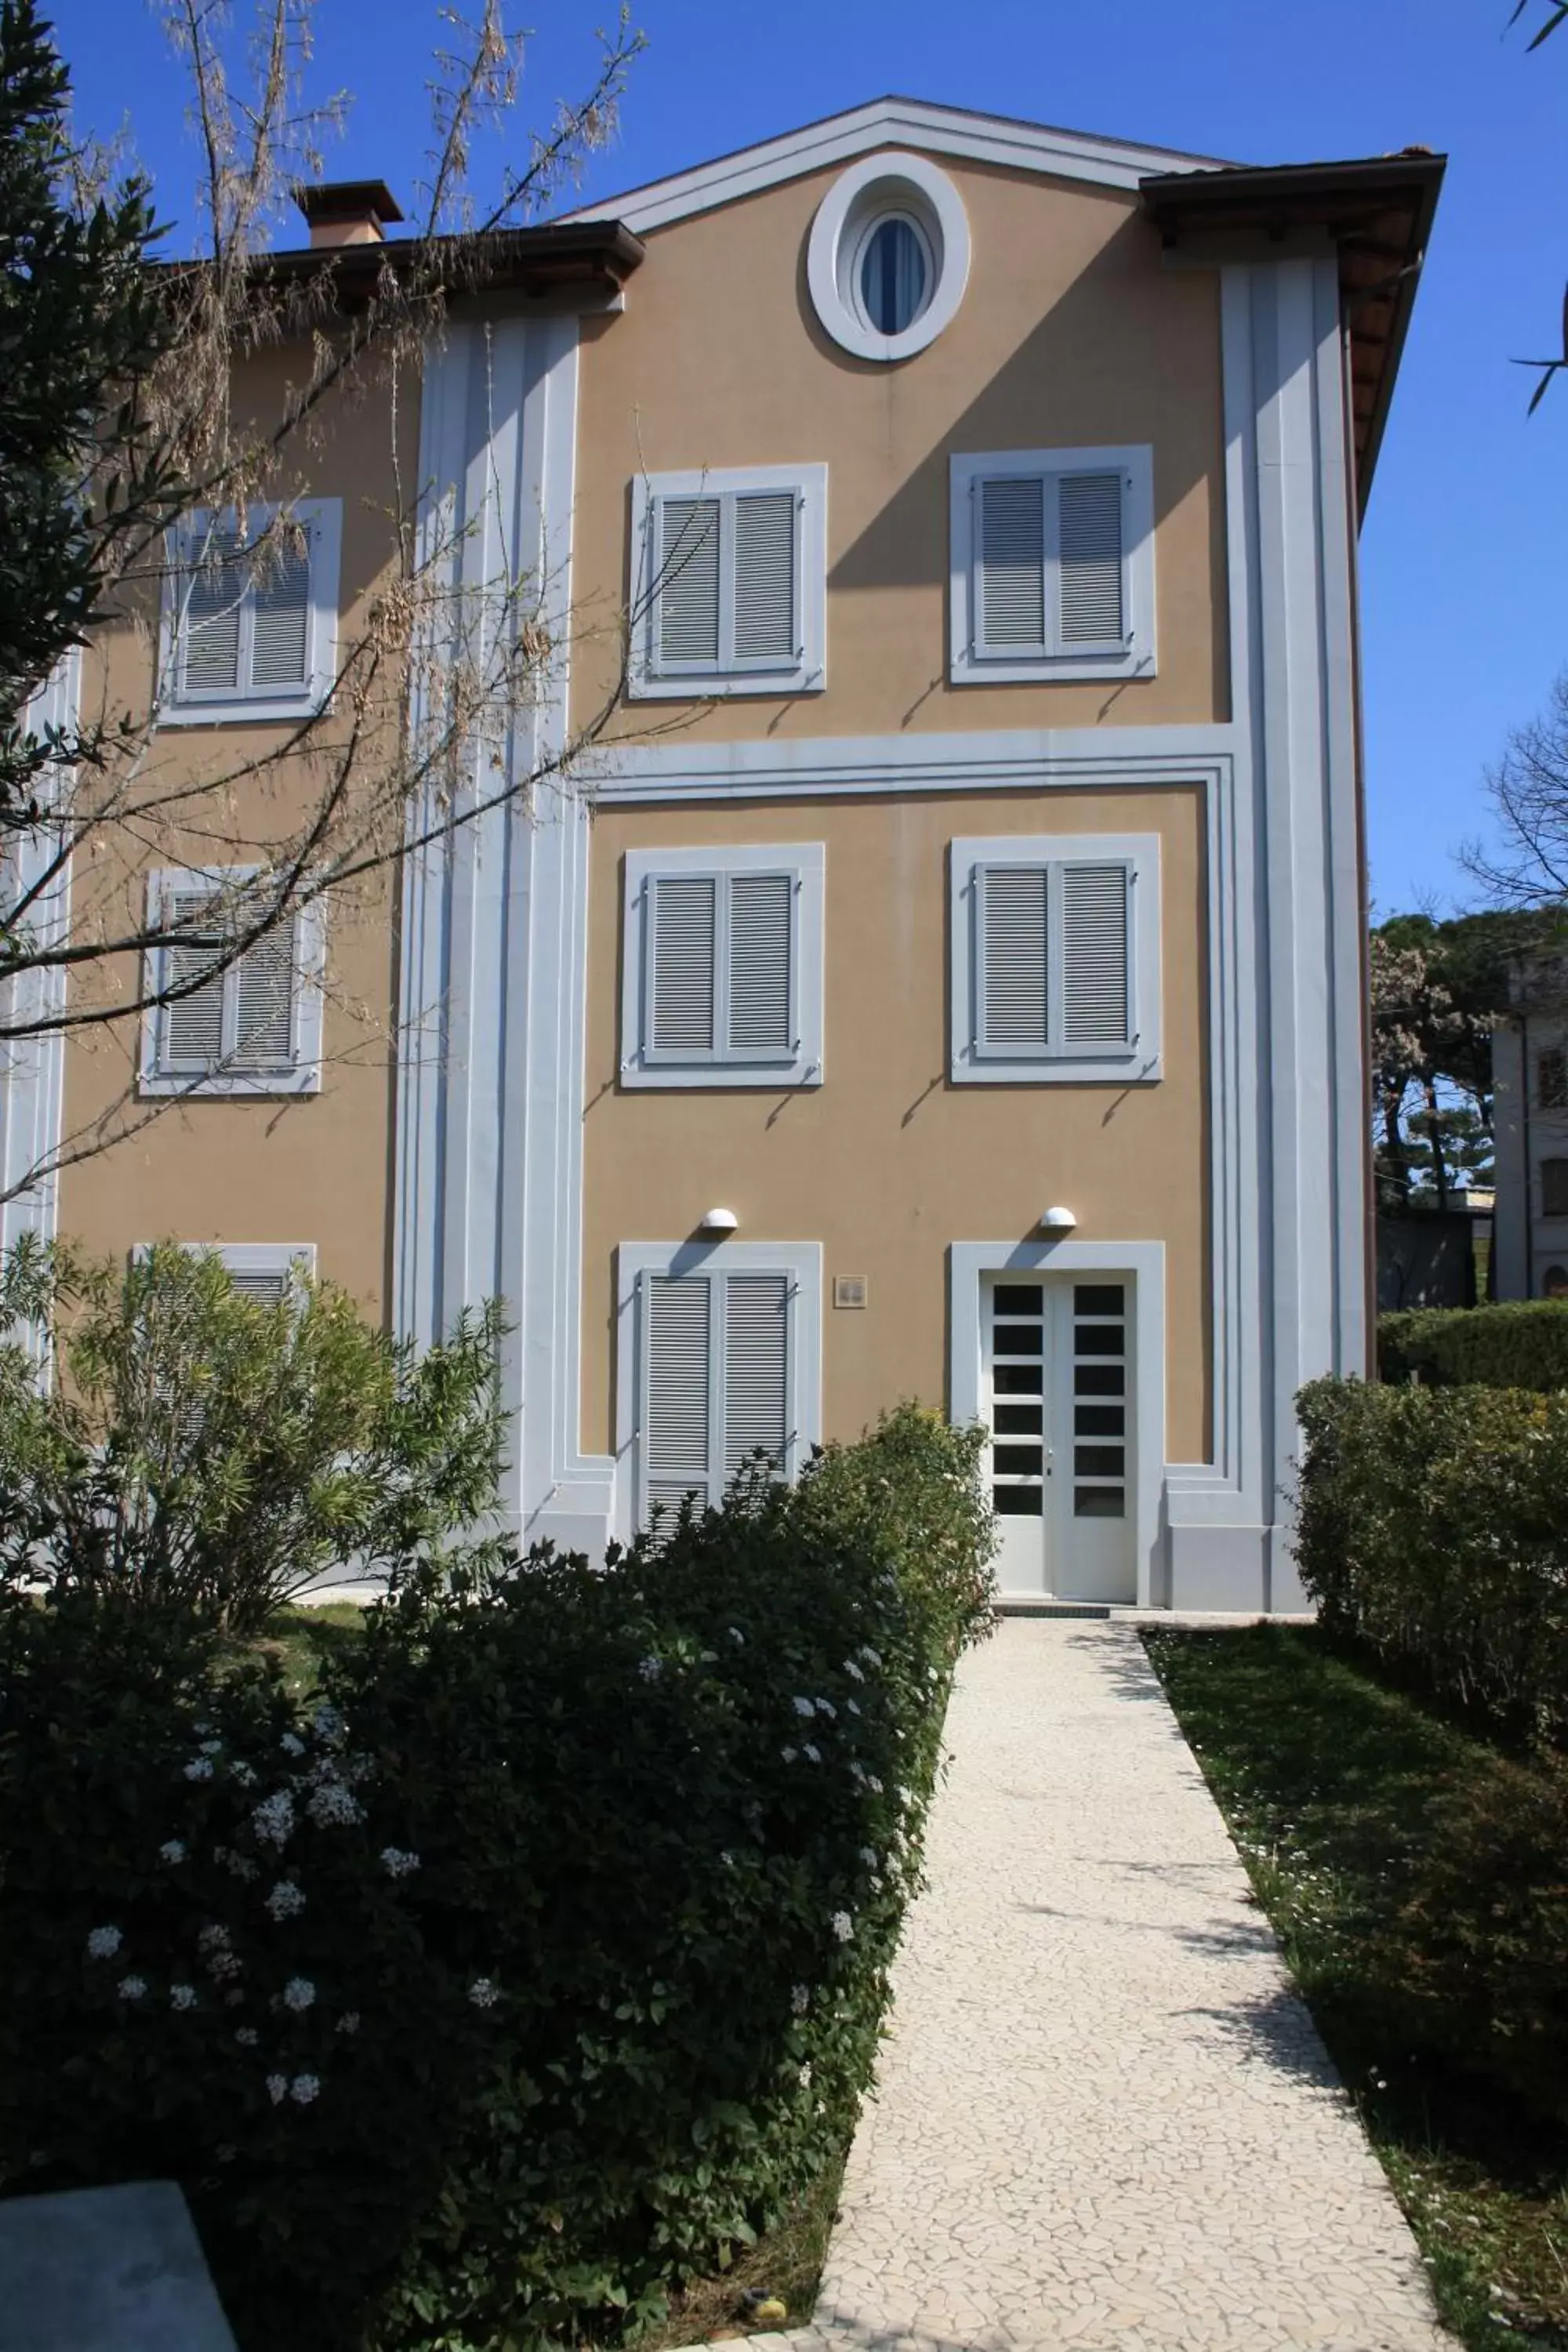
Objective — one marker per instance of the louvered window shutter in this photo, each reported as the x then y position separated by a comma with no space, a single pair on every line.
761,910
682,916
264,1000
677,1412
765,560
211,653
685,586
1012,982
1089,559
756,1360
280,596
192,1021
266,1288
1010,586
1097,996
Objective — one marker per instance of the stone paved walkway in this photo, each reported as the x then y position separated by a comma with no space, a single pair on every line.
1104,2118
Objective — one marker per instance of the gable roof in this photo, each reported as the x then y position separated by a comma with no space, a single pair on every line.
936,129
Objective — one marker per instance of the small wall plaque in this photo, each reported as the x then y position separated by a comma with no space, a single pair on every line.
849,1291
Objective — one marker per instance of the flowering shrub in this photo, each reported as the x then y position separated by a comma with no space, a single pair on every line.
216,1451
1432,1530
542,1960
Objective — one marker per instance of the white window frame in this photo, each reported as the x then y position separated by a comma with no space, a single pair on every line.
179,706
799,1262
806,672
303,1077
969,664
1138,1063
295,1259
889,184
640,1065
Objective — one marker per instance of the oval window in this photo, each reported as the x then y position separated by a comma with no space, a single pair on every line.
894,277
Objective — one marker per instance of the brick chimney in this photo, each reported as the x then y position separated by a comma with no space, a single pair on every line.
347,212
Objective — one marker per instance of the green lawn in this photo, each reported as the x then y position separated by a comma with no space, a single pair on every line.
297,1640
1324,1776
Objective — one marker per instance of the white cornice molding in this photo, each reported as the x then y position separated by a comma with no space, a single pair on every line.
890,121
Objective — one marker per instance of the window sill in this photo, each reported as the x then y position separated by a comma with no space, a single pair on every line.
974,670
726,686
1075,1070
722,1077
230,1086
243,712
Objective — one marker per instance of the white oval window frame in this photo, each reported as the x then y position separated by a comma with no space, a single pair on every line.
891,183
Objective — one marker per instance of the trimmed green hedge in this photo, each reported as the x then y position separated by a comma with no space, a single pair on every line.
1434,1528
543,1960
1521,1344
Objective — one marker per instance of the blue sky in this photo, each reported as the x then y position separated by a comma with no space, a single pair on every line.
1463,585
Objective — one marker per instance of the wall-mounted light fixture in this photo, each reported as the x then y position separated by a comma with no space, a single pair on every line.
718,1221
1058,1221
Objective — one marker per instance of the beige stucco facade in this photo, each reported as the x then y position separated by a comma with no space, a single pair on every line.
484,1125
313,1168
1071,335
887,1161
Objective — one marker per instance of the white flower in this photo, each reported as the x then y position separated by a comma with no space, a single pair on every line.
852,1670
873,1784
104,1943
182,1996
804,2076
278,2088
132,1988
200,1768
483,1993
303,2089
285,1900
242,1774
397,1862
736,1635
843,1927
172,1850
348,2022
333,1806
650,1668
853,1704
299,1993
212,1748
222,1963
273,1819
247,2037
291,1744
804,1706
869,1854
243,1867
814,1753
789,1754
728,1858
868,1654
798,1997
211,1936
328,1724
825,1706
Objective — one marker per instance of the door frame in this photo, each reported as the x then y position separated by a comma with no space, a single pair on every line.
1139,1264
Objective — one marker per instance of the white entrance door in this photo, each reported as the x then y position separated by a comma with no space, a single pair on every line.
1058,1393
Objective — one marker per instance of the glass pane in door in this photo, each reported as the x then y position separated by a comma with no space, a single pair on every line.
1099,1406
1017,1399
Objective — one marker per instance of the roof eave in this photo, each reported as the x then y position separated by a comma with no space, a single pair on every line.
1337,200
